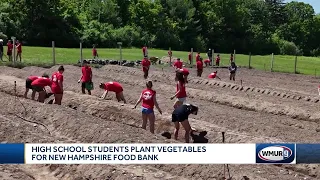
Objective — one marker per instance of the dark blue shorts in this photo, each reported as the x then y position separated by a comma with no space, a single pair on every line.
146,110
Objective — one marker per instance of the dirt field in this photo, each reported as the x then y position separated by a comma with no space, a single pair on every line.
258,107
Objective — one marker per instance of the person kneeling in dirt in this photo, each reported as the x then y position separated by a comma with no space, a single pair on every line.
232,70
114,87
149,100
39,84
180,115
86,78
29,81
214,75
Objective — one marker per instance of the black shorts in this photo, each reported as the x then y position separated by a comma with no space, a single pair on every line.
178,118
38,88
83,84
28,84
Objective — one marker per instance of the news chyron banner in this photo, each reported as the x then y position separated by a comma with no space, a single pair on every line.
159,153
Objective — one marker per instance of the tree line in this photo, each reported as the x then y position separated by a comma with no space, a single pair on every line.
256,26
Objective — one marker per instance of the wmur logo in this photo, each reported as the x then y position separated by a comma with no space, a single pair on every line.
275,153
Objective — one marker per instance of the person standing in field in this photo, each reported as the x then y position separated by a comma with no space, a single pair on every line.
209,54
199,67
149,100
1,49
233,70
218,60
198,57
86,78
181,93
19,50
178,64
180,116
145,51
38,85
94,52
231,58
145,67
57,85
113,87
9,50
190,57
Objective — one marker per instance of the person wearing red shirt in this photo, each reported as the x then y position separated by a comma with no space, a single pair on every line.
218,60
198,57
178,64
145,51
149,100
181,93
94,52
207,62
145,67
199,67
214,75
39,84
86,78
19,50
29,81
113,87
190,57
185,73
57,85
9,50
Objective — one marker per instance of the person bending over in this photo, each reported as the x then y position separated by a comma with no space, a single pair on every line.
180,116
38,85
113,87
29,81
149,100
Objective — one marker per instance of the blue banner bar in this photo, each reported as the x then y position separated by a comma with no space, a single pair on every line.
308,153
11,153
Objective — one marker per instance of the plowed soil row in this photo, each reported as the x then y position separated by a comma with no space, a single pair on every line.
73,100
69,125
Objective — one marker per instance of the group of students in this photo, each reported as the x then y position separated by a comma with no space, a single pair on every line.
10,47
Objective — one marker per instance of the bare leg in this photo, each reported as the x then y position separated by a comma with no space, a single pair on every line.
187,128
144,121
152,119
177,104
176,130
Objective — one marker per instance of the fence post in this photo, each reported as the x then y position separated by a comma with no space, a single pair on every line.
170,56
272,59
295,64
120,48
81,57
234,55
191,56
14,50
250,60
212,62
53,53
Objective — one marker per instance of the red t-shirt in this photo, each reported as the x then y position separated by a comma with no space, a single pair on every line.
32,78
199,65
212,75
207,61
185,71
56,78
190,56
147,98
178,64
218,59
182,93
86,74
144,50
19,47
94,52
198,57
145,64
10,47
113,86
42,82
